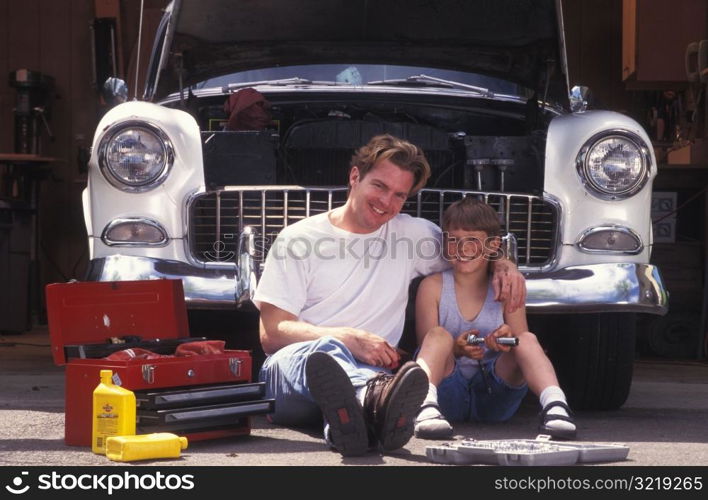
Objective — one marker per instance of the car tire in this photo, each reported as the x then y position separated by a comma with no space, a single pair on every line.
593,355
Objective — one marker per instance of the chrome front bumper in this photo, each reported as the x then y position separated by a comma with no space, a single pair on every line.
619,287
204,288
616,287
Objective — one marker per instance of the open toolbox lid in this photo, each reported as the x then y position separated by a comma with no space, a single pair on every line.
85,313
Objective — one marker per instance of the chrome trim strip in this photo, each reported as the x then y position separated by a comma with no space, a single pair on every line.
619,229
186,211
247,281
263,217
618,287
115,128
218,226
557,234
529,213
510,247
240,210
228,266
144,220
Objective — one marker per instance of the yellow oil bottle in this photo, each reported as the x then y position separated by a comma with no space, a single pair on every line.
145,446
113,412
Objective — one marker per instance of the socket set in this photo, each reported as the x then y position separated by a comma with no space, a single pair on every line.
533,452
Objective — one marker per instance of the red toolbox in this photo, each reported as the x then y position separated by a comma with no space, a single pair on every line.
202,396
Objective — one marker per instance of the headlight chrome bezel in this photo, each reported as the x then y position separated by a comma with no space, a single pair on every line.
115,180
597,190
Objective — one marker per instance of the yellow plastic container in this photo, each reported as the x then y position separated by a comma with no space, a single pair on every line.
145,446
113,412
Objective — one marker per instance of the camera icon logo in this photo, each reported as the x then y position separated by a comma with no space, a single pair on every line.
16,488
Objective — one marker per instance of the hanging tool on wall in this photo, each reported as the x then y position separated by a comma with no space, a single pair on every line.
697,75
32,106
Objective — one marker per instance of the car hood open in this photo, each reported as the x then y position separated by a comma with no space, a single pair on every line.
517,40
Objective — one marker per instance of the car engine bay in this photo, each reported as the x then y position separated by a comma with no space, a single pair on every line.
311,143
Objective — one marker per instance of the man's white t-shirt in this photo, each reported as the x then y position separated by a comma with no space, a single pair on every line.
327,276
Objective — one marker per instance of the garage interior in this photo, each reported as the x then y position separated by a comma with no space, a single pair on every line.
639,57
642,58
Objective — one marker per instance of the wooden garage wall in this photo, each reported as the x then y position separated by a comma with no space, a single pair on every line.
594,45
53,37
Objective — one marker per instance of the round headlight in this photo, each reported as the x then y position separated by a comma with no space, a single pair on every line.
135,156
614,166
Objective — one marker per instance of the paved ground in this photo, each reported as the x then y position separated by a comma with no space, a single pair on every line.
664,422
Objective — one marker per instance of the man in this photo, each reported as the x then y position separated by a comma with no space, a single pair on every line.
332,299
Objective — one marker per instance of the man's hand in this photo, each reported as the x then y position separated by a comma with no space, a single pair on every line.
509,285
370,349
462,350
279,328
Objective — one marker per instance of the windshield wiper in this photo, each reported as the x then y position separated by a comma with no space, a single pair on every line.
431,81
285,81
296,80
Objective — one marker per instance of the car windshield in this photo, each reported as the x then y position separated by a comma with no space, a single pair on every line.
368,74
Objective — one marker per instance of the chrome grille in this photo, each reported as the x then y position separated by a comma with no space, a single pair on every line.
216,218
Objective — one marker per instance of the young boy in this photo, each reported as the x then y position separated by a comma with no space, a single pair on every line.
478,382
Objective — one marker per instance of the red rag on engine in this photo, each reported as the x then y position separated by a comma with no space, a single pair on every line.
248,109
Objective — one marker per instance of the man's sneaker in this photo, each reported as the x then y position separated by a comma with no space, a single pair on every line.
391,404
333,391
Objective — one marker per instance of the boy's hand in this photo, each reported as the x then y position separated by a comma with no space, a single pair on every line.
509,285
461,349
491,339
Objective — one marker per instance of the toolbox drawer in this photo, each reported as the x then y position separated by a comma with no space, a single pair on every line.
199,408
195,396
200,417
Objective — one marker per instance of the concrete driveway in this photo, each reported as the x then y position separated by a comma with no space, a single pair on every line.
664,422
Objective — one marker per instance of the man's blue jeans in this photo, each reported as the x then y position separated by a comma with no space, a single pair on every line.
284,375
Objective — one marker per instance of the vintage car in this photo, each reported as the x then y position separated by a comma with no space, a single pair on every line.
481,86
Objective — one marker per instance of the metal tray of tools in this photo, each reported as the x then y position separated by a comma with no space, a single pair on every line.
533,452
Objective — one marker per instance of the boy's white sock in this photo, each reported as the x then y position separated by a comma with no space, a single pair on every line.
430,399
430,423
548,395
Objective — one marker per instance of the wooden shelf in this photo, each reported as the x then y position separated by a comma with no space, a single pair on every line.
17,158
